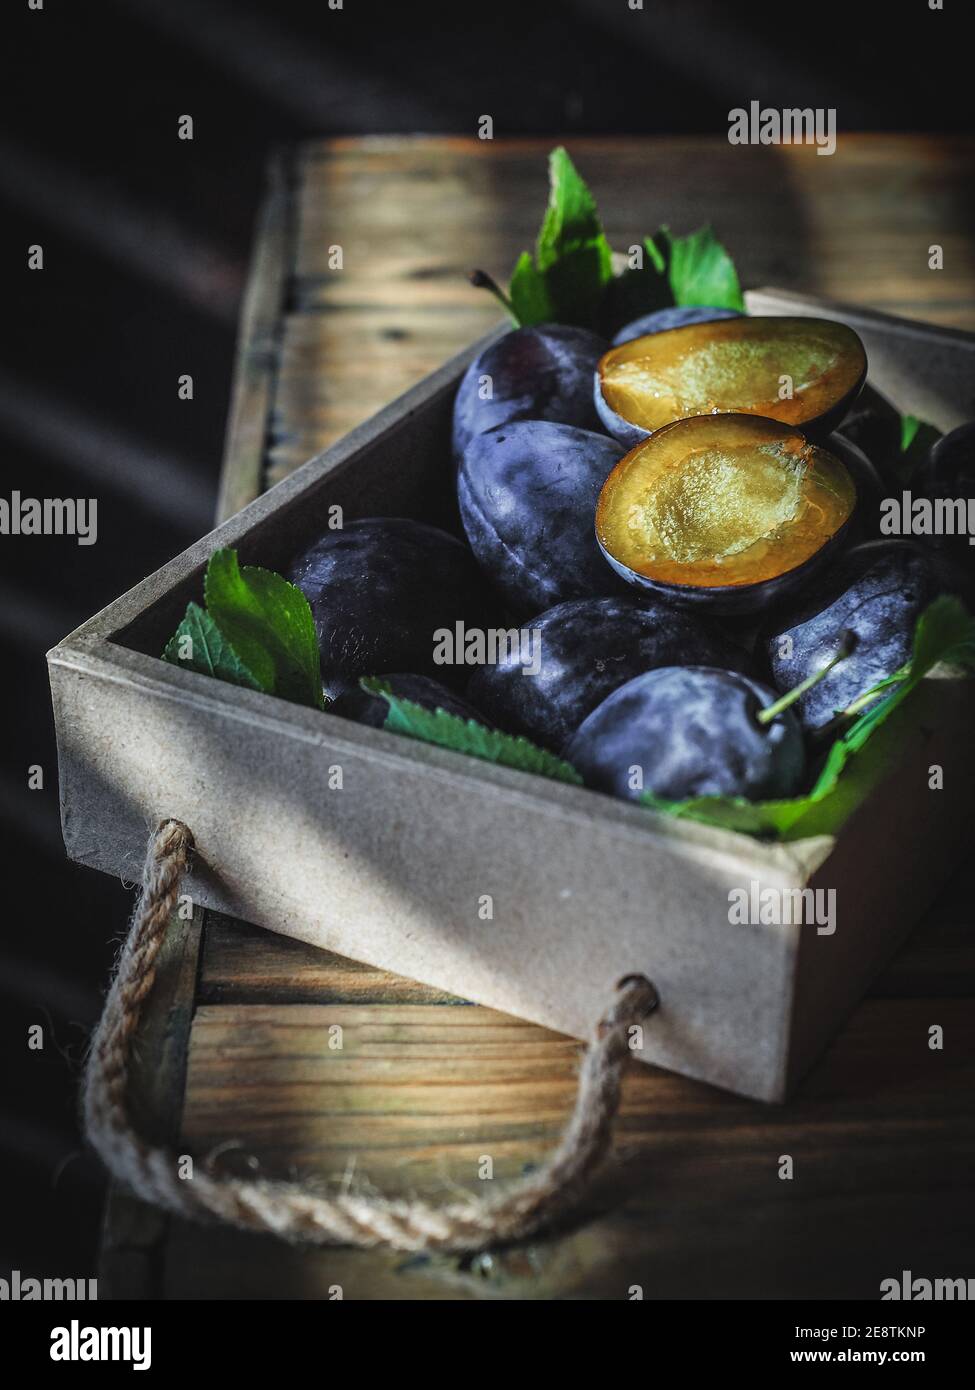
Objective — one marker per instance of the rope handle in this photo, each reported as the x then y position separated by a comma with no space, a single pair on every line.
288,1209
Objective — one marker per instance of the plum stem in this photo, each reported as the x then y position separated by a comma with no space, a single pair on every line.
482,281
770,712
867,698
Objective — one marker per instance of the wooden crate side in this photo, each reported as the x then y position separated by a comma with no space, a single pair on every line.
258,356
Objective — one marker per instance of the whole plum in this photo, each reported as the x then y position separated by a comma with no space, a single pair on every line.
948,475
542,373
874,426
674,317
582,651
687,731
367,708
379,589
870,603
527,494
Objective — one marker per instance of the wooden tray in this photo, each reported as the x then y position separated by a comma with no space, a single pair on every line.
699,1175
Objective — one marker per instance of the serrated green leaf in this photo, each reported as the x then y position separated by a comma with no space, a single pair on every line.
944,634
269,624
528,293
573,261
199,645
700,269
467,736
571,219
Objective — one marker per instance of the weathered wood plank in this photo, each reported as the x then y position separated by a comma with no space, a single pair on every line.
258,345
694,1182
243,964
769,1241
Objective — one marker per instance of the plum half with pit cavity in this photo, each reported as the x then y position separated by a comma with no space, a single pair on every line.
542,373
724,512
802,372
687,731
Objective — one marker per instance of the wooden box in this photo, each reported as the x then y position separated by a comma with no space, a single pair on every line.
391,869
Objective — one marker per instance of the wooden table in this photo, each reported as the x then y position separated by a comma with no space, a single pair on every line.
235,1058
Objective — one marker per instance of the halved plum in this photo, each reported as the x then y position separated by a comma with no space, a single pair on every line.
725,512
732,365
676,316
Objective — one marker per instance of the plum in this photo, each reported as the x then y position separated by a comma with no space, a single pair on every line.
674,317
686,731
947,474
736,365
527,494
871,602
868,480
366,708
586,649
542,373
379,589
874,425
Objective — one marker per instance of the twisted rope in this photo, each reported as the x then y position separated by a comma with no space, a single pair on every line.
286,1208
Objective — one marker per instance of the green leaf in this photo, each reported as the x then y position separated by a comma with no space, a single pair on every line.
700,269
571,219
573,262
917,437
576,282
945,634
270,626
199,645
529,294
910,425
657,255
467,736
638,290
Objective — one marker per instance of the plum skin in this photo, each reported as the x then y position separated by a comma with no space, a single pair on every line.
692,731
587,648
874,426
676,316
379,588
876,594
527,493
539,373
948,472
364,707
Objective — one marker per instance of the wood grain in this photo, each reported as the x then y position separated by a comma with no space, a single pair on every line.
691,1206
258,344
414,216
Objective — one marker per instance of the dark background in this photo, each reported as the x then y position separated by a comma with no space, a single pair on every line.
146,239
